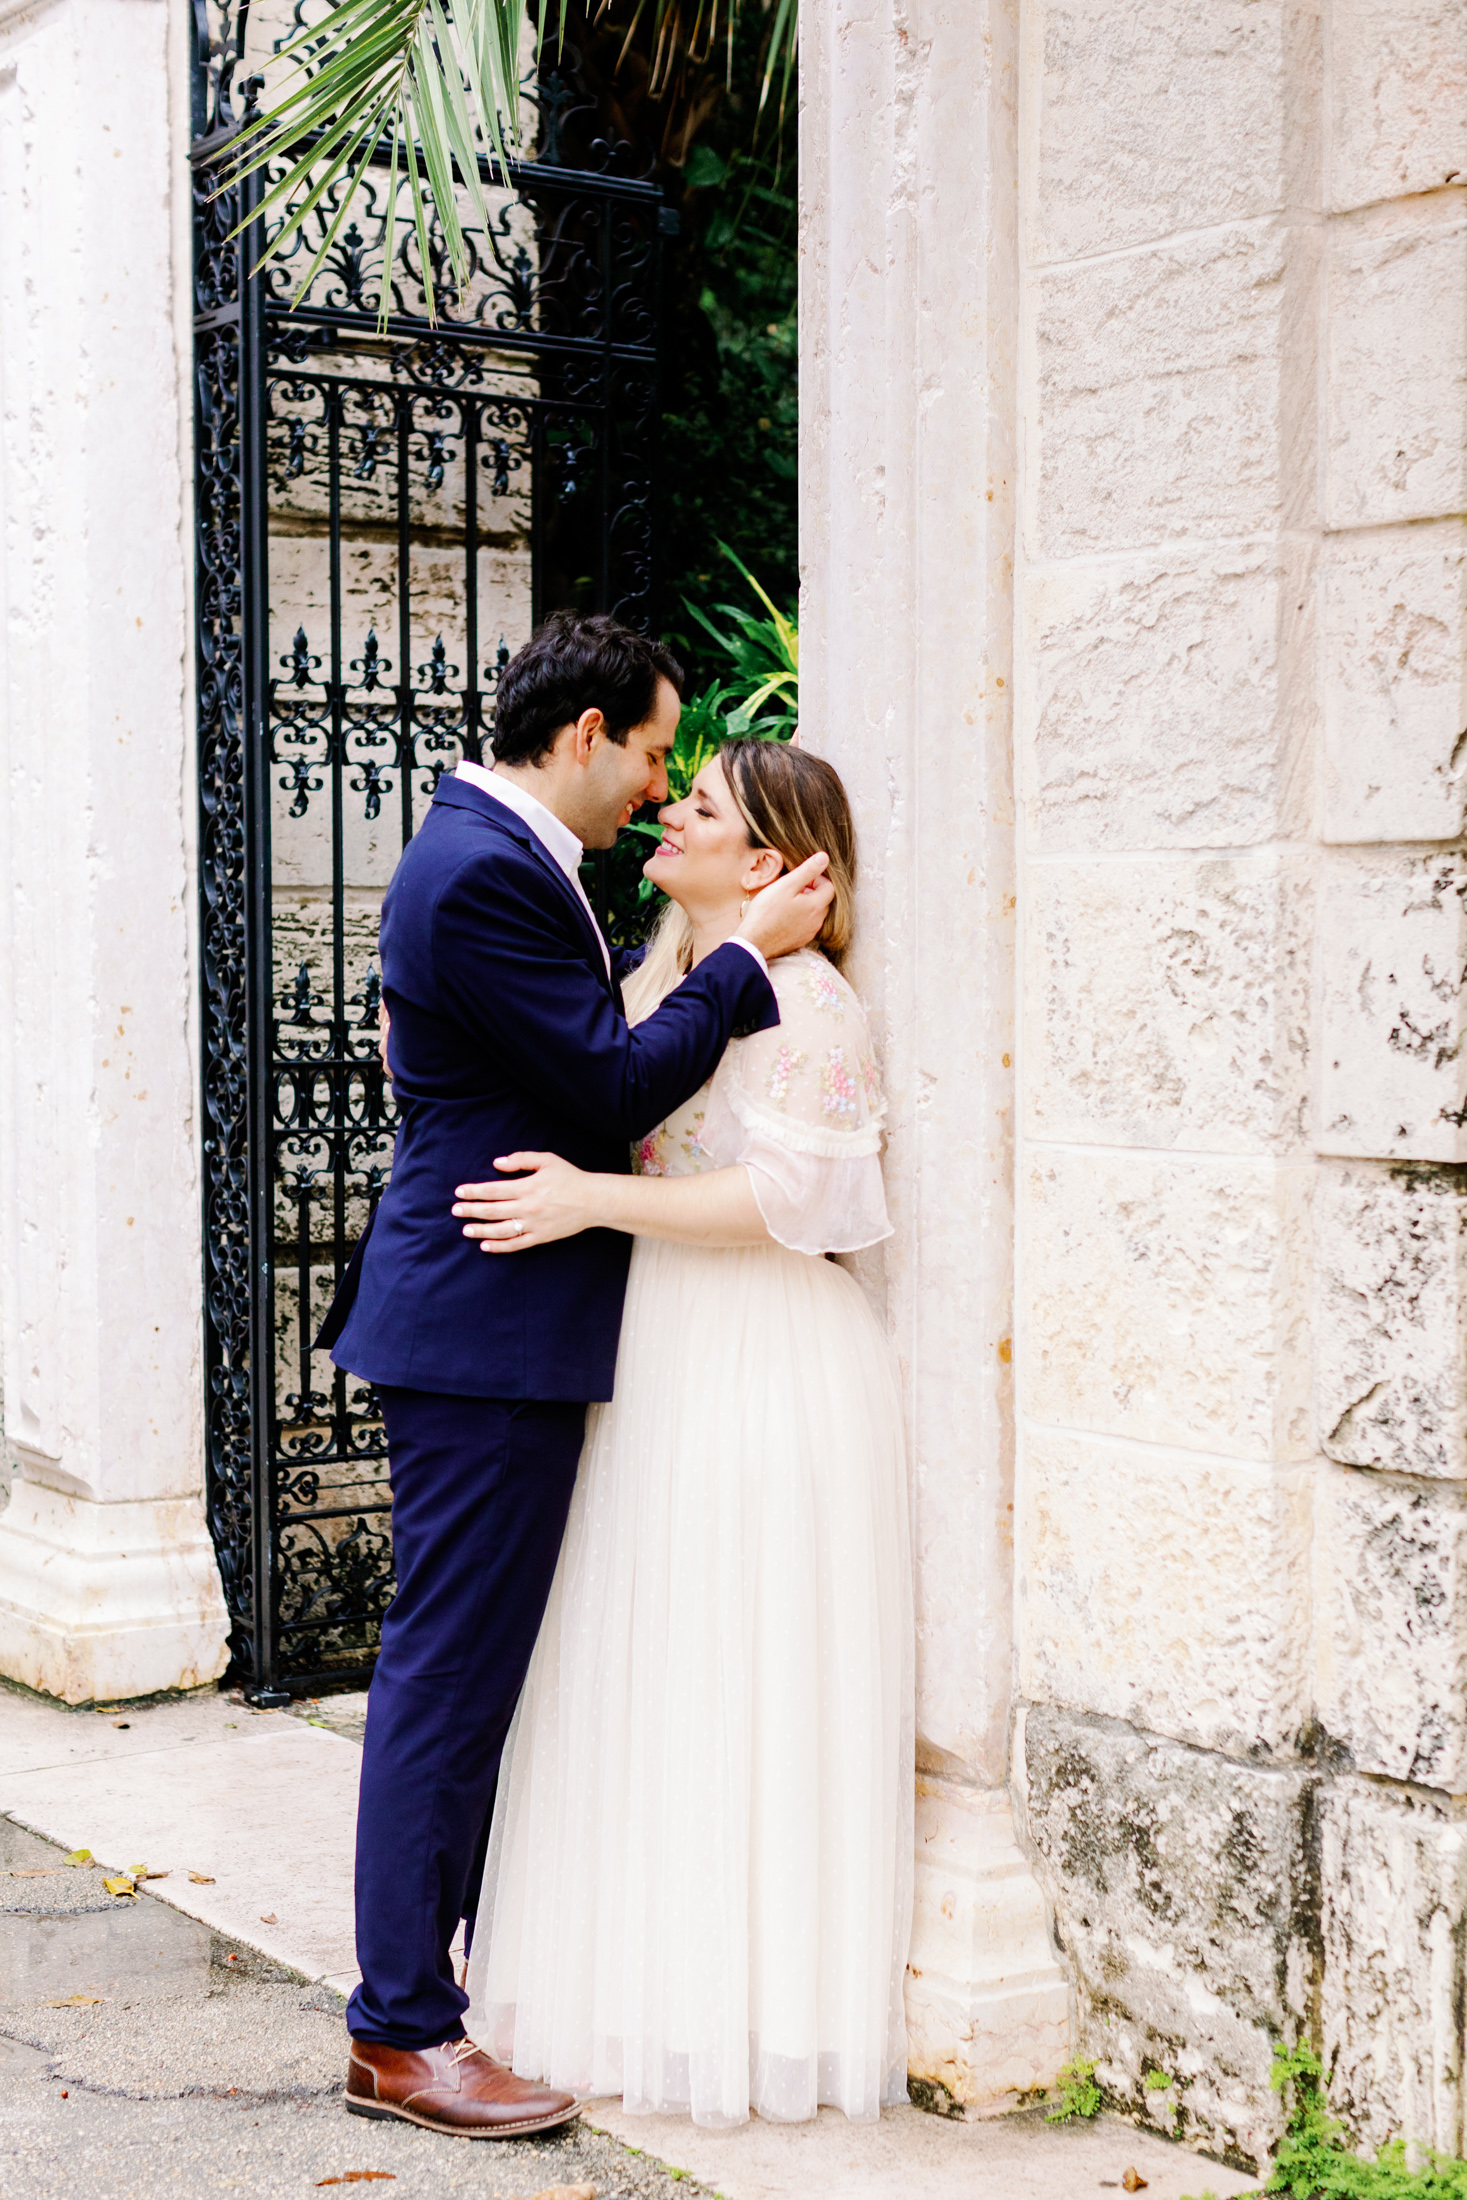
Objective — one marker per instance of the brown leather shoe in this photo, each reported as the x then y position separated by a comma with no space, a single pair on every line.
456,2089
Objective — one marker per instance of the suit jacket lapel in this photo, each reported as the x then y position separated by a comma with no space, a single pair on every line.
504,819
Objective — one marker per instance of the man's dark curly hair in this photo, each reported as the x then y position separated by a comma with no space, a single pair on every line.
577,661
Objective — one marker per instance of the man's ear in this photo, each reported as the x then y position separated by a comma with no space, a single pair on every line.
590,729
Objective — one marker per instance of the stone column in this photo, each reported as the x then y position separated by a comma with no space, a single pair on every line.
107,1579
906,500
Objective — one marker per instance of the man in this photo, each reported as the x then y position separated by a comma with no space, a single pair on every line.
506,1034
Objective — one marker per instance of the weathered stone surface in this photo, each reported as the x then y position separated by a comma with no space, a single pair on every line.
1166,1003
1167,1299
1396,408
1397,98
988,2007
1392,1574
1162,117
1393,1877
1177,1880
1392,951
1169,700
1394,639
1390,1310
1174,391
1165,1589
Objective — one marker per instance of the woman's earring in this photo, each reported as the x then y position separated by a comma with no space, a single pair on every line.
744,905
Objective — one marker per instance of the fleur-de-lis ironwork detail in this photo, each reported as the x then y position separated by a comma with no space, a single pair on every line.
495,672
298,1001
299,662
371,664
349,262
371,1000
498,458
438,455
366,466
301,784
373,786
437,672
519,284
295,458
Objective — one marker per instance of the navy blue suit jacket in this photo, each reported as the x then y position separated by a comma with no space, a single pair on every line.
508,1035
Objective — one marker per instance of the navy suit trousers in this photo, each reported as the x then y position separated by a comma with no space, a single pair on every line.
480,1492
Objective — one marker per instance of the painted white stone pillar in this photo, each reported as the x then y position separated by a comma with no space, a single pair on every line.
907,320
107,1579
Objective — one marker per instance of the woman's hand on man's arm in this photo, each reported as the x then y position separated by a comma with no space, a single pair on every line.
552,1199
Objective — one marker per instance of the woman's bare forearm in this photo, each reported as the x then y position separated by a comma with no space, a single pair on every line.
717,1207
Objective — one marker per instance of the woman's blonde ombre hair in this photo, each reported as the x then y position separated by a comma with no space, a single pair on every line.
791,802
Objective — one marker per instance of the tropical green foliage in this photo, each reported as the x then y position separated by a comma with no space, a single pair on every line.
730,430
443,75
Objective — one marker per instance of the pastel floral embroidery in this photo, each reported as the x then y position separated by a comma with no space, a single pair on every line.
693,1145
647,1155
786,1062
837,1086
870,1082
821,988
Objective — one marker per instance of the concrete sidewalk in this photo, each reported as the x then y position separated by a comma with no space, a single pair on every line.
260,1806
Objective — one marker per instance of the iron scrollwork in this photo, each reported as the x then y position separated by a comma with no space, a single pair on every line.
526,411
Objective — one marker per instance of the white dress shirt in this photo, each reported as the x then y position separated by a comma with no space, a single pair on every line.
557,839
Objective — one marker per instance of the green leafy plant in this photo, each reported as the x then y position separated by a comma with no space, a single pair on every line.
1157,2081
438,82
1079,2095
1313,2160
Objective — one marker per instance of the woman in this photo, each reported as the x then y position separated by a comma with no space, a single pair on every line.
698,1885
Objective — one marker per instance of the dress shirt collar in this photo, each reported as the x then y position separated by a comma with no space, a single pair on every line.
556,838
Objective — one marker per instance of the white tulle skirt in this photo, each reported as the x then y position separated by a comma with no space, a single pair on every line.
699,1881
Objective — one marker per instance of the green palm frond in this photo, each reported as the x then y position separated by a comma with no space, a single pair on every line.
441,77
438,80
690,31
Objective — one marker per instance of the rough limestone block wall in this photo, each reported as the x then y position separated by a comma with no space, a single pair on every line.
1391,1074
1242,745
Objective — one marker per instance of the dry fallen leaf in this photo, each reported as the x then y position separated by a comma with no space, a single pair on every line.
362,2177
201,1879
141,1872
1133,2181
74,2001
78,1856
43,1871
120,1885
268,1917
567,2192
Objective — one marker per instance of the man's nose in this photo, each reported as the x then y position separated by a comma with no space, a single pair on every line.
657,784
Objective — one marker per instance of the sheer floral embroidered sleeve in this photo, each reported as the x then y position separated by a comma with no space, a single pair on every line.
801,1107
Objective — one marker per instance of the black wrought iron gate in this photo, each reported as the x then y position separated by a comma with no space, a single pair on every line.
379,520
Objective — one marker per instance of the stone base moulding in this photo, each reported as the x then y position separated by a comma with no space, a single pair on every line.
988,2007
103,1601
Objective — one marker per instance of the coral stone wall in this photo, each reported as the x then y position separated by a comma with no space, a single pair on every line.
1242,760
